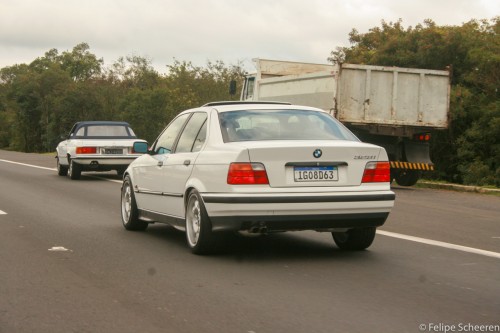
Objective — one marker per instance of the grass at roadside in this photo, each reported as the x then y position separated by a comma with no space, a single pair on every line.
490,190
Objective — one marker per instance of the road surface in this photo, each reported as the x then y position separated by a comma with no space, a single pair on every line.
68,265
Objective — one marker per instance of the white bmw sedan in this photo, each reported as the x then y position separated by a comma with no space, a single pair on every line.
261,168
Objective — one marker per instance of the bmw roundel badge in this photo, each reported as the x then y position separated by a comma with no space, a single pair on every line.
317,153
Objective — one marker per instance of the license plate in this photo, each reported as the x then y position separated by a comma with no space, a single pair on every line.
315,174
113,151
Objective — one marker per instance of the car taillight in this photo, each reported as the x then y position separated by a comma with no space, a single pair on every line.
377,172
86,150
247,173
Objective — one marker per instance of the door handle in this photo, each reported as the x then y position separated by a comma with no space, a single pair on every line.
160,163
187,162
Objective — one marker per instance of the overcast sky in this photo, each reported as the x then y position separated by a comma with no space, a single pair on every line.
200,30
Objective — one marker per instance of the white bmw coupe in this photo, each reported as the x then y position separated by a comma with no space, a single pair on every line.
96,146
261,168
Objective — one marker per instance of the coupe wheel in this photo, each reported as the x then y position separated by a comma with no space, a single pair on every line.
200,237
130,214
355,239
74,171
61,170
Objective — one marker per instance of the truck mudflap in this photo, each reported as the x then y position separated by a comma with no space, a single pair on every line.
407,173
412,166
417,160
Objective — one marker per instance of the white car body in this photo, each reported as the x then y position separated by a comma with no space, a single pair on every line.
105,151
162,182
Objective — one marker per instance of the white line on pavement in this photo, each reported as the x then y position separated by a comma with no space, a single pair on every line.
28,165
2,212
54,169
109,180
441,244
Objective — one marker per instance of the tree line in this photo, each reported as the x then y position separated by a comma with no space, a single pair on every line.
40,101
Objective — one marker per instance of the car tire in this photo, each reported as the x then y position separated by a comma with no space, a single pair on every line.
356,239
74,170
200,237
129,211
407,177
61,170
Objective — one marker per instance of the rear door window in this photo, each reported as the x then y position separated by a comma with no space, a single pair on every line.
191,134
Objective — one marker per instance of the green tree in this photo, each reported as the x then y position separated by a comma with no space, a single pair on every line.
80,63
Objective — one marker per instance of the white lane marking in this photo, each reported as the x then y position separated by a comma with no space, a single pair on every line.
2,212
59,249
54,169
29,165
109,180
441,244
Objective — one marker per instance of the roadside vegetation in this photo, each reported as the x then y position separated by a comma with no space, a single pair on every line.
40,101
469,151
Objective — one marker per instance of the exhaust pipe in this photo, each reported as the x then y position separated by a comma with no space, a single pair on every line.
258,229
254,230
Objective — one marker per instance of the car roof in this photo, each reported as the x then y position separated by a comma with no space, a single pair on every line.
98,122
237,105
243,102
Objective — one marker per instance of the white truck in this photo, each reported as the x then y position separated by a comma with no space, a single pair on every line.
396,108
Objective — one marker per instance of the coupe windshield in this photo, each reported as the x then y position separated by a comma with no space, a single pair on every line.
258,125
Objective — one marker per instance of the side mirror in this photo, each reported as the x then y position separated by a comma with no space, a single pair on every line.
232,87
140,147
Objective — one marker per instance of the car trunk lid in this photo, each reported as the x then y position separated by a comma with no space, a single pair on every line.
313,163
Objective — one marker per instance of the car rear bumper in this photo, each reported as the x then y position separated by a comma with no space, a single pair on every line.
270,223
281,212
103,163
112,160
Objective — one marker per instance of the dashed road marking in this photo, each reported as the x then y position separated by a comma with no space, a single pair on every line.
2,212
440,244
59,249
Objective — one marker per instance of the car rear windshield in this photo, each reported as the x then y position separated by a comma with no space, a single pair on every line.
259,125
105,131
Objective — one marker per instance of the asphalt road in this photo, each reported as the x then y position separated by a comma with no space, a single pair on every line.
68,265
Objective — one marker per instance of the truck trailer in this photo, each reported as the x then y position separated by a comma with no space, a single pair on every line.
396,108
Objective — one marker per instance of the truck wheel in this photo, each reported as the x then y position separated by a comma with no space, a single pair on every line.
130,214
355,239
74,171
61,170
407,177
